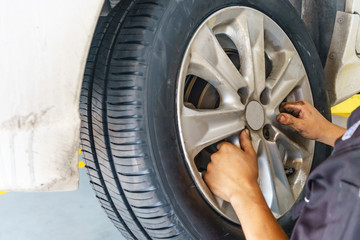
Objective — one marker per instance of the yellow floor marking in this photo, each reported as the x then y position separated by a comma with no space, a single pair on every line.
2,192
345,108
81,164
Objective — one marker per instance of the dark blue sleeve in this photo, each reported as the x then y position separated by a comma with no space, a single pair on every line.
332,208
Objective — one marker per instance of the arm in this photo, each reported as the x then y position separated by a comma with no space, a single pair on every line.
255,216
232,173
237,169
305,119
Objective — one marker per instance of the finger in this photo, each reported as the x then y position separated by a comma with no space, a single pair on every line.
293,108
213,157
225,146
299,102
289,120
206,178
245,141
218,146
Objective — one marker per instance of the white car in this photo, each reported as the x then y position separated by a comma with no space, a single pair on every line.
151,86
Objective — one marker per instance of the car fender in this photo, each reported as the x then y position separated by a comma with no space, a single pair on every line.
342,67
44,47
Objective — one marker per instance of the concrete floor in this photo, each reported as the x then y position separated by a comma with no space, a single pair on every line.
61,216
55,216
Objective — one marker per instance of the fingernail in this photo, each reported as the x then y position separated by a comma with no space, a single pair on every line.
247,132
282,119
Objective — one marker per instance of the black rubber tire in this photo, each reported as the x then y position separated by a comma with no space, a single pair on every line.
129,133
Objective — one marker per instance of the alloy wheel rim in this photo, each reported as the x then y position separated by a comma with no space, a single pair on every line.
244,93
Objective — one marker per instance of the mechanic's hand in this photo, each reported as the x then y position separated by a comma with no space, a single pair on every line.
306,120
232,175
232,170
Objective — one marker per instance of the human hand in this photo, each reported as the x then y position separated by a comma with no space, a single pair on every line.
232,170
305,119
232,175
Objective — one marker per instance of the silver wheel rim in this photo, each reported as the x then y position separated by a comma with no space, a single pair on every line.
248,96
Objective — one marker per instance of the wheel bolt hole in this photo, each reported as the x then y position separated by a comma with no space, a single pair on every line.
268,132
265,96
243,93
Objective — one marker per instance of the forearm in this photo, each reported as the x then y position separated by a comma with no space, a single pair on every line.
331,132
255,217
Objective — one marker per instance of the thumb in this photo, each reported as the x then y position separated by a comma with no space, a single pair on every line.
288,119
245,141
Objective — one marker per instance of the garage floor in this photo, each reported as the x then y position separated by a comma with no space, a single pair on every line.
57,216
68,215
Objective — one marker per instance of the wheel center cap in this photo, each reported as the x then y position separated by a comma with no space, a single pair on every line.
255,116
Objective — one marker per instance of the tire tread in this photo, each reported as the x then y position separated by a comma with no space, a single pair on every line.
112,107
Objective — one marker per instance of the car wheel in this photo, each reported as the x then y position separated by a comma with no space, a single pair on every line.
168,80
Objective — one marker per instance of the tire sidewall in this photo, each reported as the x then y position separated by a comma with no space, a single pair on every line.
180,21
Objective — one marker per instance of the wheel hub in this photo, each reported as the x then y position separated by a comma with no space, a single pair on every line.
255,116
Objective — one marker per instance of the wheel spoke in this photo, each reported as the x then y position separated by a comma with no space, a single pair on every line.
287,74
281,61
209,61
255,23
202,128
237,30
282,89
247,33
256,142
274,183
291,144
265,178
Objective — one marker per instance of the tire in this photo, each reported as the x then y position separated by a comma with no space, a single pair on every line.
132,145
